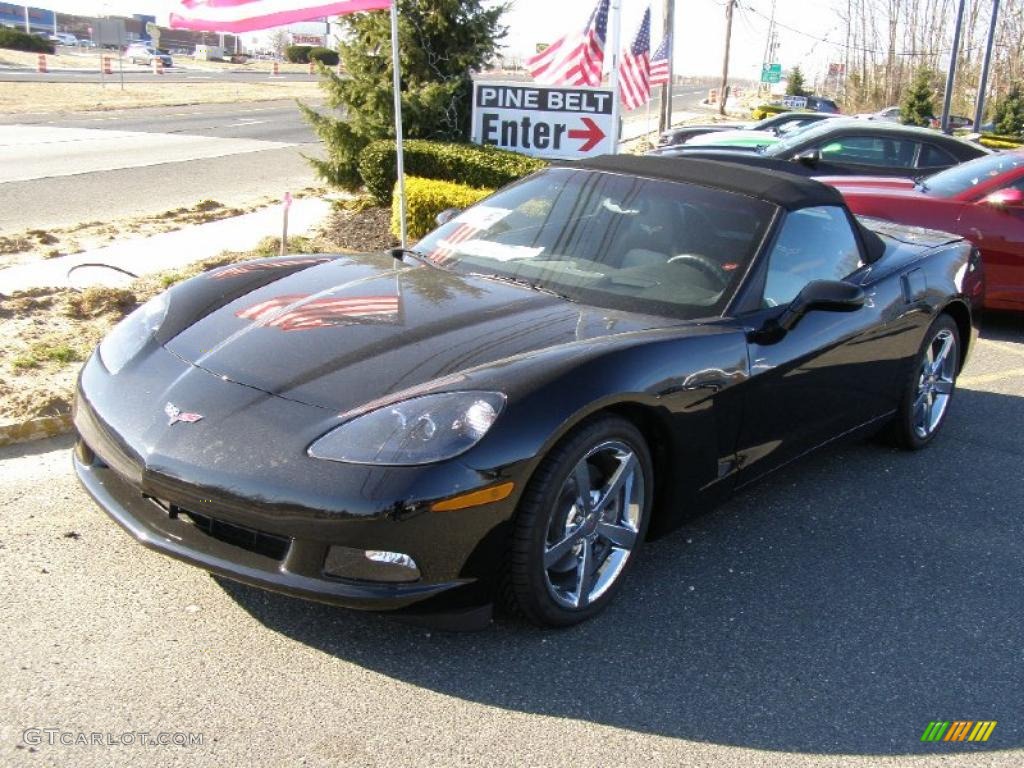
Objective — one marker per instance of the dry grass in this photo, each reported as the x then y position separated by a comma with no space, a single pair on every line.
32,244
48,332
22,97
53,60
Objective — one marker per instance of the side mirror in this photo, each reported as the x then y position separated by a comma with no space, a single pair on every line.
824,295
810,157
1005,198
447,215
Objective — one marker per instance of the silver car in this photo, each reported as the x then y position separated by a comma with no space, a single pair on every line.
144,53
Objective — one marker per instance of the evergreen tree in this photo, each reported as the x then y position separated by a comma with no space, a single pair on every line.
918,107
440,41
795,83
1008,114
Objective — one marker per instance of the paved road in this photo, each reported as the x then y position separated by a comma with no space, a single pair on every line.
822,618
134,73
61,169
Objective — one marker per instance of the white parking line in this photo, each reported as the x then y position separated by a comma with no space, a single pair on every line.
1004,346
974,382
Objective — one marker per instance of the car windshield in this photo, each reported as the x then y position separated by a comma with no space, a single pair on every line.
965,176
609,240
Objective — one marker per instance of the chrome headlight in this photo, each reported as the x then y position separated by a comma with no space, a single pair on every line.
131,334
422,430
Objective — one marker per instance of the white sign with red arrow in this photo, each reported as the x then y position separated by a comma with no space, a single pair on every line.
555,123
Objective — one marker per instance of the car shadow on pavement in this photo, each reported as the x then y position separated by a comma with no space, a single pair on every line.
836,608
1003,326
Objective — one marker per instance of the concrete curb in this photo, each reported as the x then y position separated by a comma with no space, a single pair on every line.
35,429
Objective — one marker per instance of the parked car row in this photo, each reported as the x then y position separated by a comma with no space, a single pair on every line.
910,175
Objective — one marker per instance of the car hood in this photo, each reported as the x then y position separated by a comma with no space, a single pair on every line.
351,330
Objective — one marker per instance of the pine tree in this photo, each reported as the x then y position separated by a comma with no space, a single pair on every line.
1008,114
918,108
795,83
441,43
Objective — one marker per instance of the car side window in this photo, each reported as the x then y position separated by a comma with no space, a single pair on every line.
880,151
813,244
934,157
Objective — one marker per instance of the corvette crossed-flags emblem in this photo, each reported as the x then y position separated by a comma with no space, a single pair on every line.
175,415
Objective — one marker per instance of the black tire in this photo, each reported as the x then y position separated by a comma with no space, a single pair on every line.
904,431
527,590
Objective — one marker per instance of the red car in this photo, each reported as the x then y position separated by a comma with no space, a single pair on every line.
982,200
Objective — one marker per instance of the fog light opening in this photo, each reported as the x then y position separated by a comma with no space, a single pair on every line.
370,565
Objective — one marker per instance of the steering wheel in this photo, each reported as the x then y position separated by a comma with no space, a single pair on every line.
703,264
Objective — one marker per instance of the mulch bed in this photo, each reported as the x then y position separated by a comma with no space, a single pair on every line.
366,230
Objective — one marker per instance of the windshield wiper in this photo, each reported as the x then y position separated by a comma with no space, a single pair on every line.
521,281
400,253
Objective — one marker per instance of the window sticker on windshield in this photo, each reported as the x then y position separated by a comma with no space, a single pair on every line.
494,251
482,216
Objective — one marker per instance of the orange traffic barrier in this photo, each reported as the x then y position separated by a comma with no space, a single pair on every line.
713,96
158,66
108,67
41,63
276,70
312,67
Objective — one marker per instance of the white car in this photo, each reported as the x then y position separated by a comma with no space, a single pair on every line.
64,38
144,53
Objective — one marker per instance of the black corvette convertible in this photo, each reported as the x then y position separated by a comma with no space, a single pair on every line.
507,411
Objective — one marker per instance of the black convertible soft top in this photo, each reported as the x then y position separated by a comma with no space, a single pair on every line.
785,190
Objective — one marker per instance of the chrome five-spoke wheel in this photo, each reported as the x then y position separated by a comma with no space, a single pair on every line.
595,525
935,382
580,523
929,387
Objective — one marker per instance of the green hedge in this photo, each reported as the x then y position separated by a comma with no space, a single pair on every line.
425,198
994,141
17,40
298,54
325,56
468,164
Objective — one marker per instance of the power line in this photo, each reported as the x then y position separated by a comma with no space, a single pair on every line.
858,48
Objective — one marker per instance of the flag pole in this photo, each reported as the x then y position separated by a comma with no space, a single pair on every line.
399,149
614,19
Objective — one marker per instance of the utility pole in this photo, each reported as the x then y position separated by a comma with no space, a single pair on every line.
769,50
725,60
979,109
951,76
669,25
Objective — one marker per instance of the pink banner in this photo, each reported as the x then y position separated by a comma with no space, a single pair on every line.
248,15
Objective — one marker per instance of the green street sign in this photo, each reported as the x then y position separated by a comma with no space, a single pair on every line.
771,73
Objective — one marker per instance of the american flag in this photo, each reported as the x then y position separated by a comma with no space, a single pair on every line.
576,58
243,269
635,70
248,15
659,62
300,313
446,248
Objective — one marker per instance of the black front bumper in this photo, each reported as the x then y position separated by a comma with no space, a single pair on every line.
236,514
298,573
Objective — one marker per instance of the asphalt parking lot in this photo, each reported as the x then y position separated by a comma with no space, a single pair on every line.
822,618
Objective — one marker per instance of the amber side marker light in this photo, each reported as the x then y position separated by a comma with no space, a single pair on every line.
474,499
